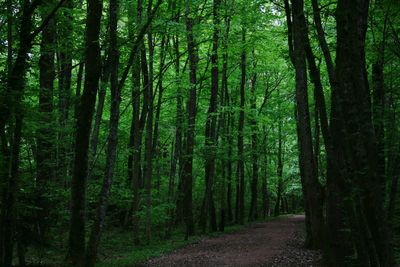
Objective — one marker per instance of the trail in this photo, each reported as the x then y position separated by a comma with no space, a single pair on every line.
274,243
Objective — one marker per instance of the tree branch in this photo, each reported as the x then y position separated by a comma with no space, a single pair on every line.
48,18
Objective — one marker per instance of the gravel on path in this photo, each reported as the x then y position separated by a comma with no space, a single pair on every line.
275,243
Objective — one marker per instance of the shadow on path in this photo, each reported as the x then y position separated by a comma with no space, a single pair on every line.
278,242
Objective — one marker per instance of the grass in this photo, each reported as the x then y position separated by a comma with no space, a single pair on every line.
117,249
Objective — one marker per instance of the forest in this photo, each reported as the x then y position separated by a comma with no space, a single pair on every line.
132,128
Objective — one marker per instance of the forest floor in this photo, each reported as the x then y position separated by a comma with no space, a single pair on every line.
277,242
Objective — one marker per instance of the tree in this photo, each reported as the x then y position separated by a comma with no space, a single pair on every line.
208,206
240,164
187,175
84,118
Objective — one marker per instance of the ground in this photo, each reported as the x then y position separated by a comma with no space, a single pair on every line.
274,243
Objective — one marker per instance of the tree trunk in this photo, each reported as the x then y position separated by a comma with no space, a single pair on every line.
45,134
360,149
64,87
314,195
178,146
187,175
207,211
265,196
148,153
111,154
105,76
253,211
135,139
11,118
279,172
241,183
84,118
227,114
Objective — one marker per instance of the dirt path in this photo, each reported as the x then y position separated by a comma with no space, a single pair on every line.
274,243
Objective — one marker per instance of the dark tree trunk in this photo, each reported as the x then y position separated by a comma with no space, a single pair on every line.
78,89
227,214
177,150
378,109
135,139
105,76
45,135
187,175
230,127
360,145
208,210
253,211
336,250
4,156
265,196
9,212
314,195
111,154
156,143
84,119
178,146
148,153
64,86
11,118
241,182
279,172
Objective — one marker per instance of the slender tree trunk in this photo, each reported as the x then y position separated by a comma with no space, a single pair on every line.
208,210
226,119
177,150
64,86
156,144
279,172
264,185
314,195
9,210
45,134
111,154
134,159
187,175
84,118
241,132
11,118
253,211
4,155
94,138
378,104
148,154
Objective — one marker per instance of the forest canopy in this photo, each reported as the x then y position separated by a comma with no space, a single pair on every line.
135,122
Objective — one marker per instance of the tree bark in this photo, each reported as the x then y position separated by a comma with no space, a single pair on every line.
64,86
208,215
187,175
314,195
241,182
253,211
279,172
45,134
105,76
111,154
84,118
10,108
360,149
148,154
